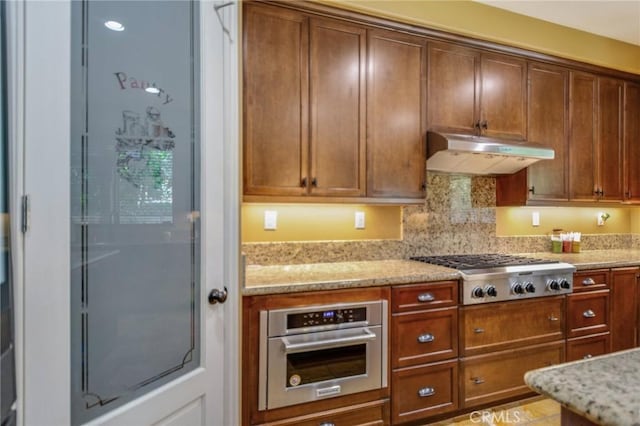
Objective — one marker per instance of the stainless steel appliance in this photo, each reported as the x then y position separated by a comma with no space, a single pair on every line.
499,277
321,351
481,155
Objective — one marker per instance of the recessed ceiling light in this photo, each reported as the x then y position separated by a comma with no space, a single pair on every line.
152,89
114,25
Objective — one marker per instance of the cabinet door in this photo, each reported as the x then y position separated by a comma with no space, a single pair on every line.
582,136
610,138
503,96
548,122
624,308
453,88
337,108
396,162
632,143
275,101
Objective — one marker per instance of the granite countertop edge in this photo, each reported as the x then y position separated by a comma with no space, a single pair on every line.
578,386
279,279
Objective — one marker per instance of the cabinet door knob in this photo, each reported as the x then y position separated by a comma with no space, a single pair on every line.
484,124
589,314
426,338
532,190
477,380
587,356
552,317
588,281
478,330
426,297
303,182
314,182
424,392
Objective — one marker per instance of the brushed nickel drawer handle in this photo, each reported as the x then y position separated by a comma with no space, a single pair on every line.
327,424
426,338
588,281
478,330
426,297
589,314
424,392
477,380
552,317
587,356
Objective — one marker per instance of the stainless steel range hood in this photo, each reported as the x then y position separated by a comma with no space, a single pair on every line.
466,154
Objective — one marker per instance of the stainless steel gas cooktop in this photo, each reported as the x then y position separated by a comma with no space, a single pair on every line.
498,277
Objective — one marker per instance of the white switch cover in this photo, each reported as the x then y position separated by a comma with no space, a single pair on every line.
535,219
360,220
270,220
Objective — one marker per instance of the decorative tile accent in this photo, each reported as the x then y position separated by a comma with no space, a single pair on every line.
458,216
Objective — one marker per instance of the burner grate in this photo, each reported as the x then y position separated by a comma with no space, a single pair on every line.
480,261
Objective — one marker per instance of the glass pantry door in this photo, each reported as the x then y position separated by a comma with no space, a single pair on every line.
129,226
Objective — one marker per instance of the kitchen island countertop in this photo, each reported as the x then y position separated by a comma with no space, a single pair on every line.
603,389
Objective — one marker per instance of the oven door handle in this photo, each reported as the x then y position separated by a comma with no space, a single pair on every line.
365,337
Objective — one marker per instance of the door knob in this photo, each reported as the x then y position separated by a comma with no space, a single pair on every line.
217,296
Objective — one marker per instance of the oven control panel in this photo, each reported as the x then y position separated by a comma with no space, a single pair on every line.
325,317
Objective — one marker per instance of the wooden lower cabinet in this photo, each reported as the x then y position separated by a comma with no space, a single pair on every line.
500,375
624,308
368,414
587,347
424,391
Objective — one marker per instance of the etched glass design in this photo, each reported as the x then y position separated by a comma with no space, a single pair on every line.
135,236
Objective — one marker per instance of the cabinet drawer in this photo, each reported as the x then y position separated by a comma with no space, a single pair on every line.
586,347
425,336
424,296
374,413
499,326
489,378
588,313
590,280
424,391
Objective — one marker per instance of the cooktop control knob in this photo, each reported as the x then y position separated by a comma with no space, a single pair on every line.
553,285
565,284
490,291
517,288
530,287
477,292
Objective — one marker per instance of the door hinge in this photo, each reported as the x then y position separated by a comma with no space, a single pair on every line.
25,211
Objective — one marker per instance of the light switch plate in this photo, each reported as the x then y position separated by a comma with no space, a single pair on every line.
360,220
535,219
270,220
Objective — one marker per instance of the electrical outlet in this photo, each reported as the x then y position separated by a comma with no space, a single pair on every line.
270,220
360,220
535,219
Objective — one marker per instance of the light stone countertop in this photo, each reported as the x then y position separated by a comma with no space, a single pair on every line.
329,276
273,279
604,389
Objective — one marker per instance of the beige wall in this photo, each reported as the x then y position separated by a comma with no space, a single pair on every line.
635,221
493,24
517,220
313,222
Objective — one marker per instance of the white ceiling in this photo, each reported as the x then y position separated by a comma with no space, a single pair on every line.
617,19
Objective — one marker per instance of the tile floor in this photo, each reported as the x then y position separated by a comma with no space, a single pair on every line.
536,411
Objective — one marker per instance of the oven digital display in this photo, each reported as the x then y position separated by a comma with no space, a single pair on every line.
318,318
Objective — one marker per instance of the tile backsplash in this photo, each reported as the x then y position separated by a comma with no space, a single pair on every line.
458,216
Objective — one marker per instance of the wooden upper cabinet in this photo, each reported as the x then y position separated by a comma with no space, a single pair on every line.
631,181
396,111
548,124
583,98
503,106
453,88
610,139
304,97
337,118
471,91
276,92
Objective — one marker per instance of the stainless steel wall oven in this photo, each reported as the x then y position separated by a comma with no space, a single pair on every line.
321,351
